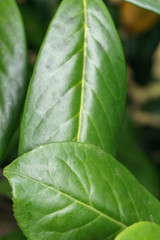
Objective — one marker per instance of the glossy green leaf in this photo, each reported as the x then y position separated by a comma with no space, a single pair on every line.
76,191
77,92
141,231
152,5
12,71
16,235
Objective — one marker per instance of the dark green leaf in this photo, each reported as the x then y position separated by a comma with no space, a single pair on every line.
152,5
34,25
16,235
12,149
77,92
5,188
76,191
12,71
141,231
136,160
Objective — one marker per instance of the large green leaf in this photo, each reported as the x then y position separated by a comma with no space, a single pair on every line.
76,191
12,70
152,5
77,92
141,231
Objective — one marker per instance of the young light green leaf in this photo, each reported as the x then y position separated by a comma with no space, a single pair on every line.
152,5
76,191
12,71
141,231
77,92
16,235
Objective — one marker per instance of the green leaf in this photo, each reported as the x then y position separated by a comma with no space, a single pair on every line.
12,149
141,231
152,5
5,188
12,71
136,160
35,27
76,191
16,235
77,92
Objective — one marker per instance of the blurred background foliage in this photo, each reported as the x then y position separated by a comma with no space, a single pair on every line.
139,143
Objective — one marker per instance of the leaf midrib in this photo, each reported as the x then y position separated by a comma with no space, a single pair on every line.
84,67
71,198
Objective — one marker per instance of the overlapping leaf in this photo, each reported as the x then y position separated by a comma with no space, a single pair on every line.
76,191
77,92
152,5
12,70
141,231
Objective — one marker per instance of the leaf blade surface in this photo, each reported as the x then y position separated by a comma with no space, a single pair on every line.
94,196
12,71
140,231
77,92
